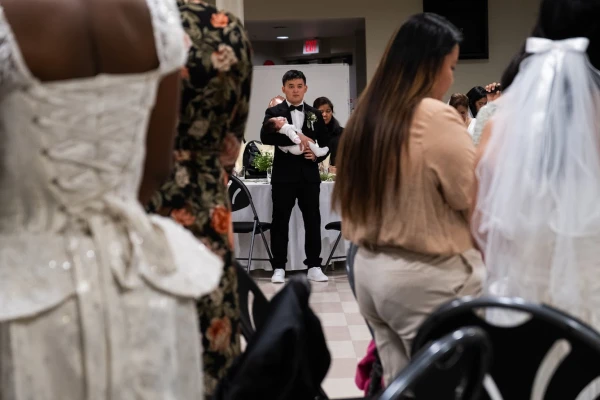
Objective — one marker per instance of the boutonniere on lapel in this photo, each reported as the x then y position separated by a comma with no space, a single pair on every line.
311,119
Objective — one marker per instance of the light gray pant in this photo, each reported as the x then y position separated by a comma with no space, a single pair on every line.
398,289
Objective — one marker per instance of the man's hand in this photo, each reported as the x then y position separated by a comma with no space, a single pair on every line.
304,141
309,155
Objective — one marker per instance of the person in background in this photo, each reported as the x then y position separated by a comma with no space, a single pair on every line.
478,98
404,188
325,105
214,108
461,103
494,91
296,177
539,230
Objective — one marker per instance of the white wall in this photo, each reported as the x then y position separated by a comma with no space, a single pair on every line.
278,52
510,22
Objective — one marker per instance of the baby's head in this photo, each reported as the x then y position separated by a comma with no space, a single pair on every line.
275,123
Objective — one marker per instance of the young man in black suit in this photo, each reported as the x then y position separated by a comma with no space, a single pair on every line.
296,177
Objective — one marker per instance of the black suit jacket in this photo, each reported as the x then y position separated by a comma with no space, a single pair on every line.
288,168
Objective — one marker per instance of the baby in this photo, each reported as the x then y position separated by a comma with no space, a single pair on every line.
280,124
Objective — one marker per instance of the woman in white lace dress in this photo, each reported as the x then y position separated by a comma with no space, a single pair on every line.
96,298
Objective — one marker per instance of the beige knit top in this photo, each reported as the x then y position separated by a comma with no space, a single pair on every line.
437,179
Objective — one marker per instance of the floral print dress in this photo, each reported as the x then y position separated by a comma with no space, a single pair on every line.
214,108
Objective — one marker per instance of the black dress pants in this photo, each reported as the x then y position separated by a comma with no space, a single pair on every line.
284,200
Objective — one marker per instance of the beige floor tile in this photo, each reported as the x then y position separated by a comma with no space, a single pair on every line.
337,333
342,368
355,319
341,349
324,297
350,307
332,319
327,307
341,388
360,347
347,296
359,332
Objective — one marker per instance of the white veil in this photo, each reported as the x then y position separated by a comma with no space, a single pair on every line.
537,218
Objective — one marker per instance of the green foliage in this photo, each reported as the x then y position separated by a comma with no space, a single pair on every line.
327,177
263,161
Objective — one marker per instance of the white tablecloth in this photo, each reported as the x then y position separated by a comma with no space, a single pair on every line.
261,195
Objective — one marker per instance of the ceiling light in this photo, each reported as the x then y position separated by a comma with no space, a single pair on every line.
282,37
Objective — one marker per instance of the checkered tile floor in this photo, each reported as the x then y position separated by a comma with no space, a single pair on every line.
345,329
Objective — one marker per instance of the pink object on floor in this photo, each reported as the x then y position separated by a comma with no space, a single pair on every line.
364,367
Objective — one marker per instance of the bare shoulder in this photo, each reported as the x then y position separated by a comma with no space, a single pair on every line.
81,38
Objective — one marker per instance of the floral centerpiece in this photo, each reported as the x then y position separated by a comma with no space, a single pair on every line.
327,177
263,161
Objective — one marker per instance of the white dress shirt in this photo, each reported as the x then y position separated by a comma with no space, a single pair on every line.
297,117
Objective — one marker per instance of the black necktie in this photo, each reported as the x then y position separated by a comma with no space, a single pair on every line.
299,108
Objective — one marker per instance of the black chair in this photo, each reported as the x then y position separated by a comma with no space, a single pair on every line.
240,198
350,265
252,315
255,320
520,351
334,226
467,353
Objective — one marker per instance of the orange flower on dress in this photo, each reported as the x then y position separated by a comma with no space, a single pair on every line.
182,155
219,20
219,334
185,73
183,217
221,220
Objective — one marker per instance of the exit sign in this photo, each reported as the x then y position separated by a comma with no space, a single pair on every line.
311,46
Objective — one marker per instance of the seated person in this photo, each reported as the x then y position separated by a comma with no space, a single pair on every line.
280,125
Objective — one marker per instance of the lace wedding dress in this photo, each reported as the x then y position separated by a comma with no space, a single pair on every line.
96,297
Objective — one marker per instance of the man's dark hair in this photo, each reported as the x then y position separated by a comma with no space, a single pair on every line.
293,74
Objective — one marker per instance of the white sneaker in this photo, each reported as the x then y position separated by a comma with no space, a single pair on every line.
278,276
315,274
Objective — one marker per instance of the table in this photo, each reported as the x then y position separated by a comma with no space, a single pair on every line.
261,195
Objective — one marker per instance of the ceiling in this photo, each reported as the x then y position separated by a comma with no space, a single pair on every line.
267,31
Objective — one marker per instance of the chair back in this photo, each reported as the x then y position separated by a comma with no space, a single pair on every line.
240,196
465,354
350,266
252,315
287,358
526,356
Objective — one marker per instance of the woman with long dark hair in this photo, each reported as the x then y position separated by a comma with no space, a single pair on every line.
404,186
478,98
325,105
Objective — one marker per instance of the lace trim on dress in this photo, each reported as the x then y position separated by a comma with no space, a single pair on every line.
168,34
